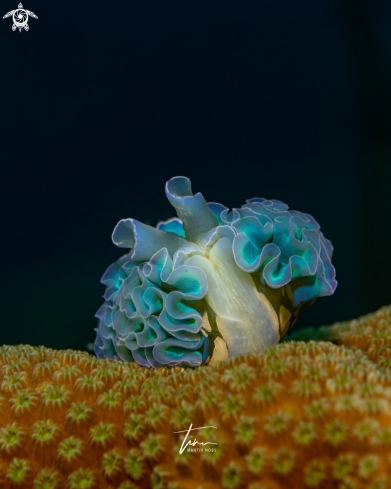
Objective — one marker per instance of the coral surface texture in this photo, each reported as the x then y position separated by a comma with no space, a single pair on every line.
370,333
299,415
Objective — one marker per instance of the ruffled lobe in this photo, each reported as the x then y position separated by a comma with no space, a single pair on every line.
329,270
181,255
249,242
284,239
148,317
227,218
269,208
191,209
173,352
159,268
173,225
145,240
282,248
104,348
277,204
217,209
178,315
210,238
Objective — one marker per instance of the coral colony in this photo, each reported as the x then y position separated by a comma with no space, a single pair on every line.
297,416
210,284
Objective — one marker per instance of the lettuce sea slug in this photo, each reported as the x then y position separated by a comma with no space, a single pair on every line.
210,284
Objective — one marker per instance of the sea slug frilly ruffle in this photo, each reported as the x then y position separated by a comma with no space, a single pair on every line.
210,284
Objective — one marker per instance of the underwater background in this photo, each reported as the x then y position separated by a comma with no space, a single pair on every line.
103,103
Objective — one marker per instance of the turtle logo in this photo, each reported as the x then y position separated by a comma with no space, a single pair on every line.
20,17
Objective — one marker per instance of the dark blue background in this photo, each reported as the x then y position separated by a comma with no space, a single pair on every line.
103,102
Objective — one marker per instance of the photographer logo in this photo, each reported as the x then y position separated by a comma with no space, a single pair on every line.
20,17
194,445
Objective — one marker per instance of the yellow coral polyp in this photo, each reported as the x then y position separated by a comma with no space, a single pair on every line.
45,437
25,405
70,454
13,441
298,416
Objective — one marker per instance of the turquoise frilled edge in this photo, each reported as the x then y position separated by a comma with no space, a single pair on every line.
157,294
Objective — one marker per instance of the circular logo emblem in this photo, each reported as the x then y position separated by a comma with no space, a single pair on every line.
20,18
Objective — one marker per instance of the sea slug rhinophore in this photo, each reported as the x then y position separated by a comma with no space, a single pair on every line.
210,284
